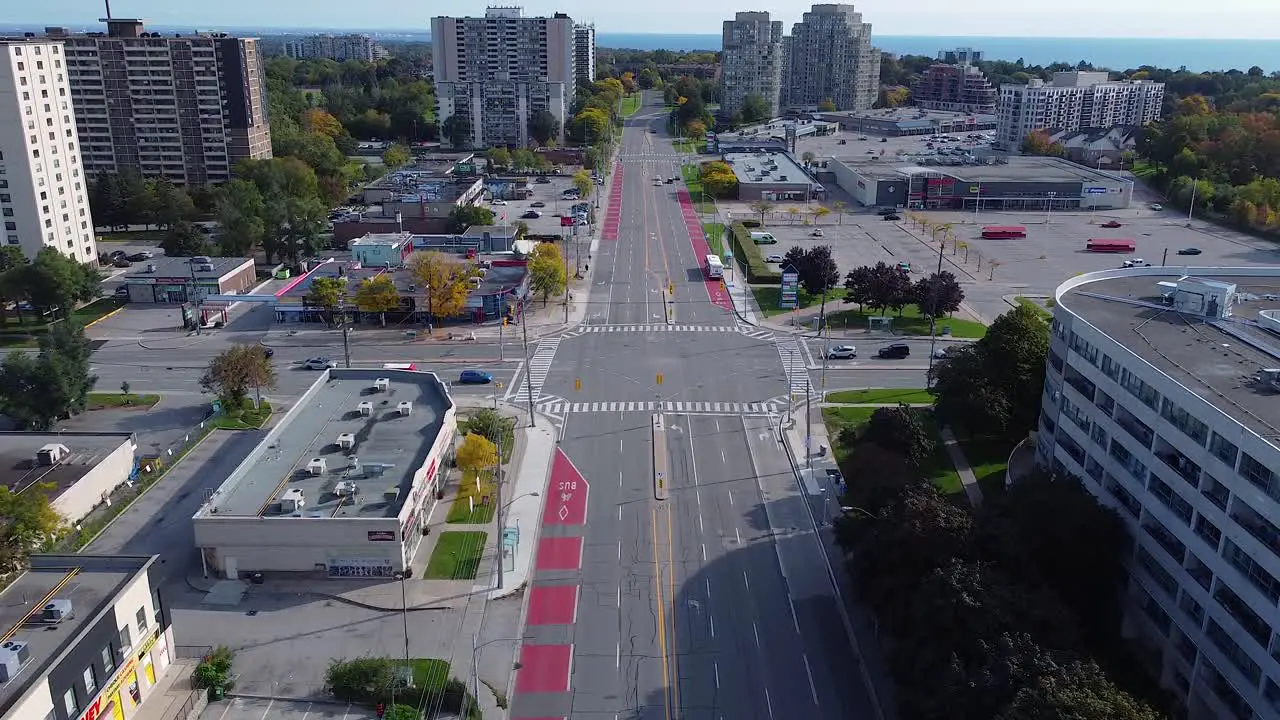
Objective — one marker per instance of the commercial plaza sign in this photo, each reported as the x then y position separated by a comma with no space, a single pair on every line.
1095,191
95,709
788,297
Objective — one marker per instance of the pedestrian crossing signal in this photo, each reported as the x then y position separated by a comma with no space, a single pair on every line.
671,288
577,384
659,378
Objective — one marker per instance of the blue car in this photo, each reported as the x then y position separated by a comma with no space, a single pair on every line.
475,377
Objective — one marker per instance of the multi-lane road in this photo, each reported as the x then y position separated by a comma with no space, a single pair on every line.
702,593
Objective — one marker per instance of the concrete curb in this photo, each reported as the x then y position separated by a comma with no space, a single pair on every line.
104,317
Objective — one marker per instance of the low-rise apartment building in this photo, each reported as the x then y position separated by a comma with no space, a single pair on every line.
1074,100
1160,397
353,46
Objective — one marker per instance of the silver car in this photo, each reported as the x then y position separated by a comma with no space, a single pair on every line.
842,352
319,363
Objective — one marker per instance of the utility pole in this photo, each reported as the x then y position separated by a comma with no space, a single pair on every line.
566,273
346,343
933,321
497,492
502,324
826,338
528,378
808,422
1192,207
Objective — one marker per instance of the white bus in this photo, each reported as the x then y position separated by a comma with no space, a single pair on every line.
715,268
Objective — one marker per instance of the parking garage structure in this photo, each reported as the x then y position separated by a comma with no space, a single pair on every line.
343,486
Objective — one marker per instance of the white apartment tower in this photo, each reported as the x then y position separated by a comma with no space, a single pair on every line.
186,108
44,198
832,59
751,63
334,47
498,70
584,53
1074,100
1160,396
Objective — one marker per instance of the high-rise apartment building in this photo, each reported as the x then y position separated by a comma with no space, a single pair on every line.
832,60
186,108
584,53
334,47
44,196
956,88
960,56
751,62
1074,100
498,70
1159,397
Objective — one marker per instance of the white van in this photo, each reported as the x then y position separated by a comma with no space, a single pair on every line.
763,238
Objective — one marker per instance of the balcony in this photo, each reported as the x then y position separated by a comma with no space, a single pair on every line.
1135,427
1259,527
1165,539
1180,464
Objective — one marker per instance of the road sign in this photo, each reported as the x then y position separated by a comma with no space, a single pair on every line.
567,494
788,298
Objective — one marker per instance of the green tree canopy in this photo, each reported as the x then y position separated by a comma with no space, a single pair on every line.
184,240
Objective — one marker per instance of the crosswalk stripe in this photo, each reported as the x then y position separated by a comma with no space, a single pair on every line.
540,364
559,407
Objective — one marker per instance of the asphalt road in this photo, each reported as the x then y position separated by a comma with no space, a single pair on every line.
713,603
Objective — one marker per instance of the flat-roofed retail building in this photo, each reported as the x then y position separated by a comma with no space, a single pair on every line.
344,484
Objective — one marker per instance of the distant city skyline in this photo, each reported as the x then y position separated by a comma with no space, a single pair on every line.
1225,19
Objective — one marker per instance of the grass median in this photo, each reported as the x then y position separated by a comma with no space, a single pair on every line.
937,468
909,322
768,296
102,400
910,396
245,418
630,105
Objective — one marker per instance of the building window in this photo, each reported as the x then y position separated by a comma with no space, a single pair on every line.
90,682
10,225
108,659
1223,449
69,702
1259,475
7,212
12,240
126,639
142,619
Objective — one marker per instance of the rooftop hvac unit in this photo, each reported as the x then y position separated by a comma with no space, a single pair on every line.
151,267
381,384
404,407
51,454
365,407
391,495
316,466
200,260
57,610
13,655
292,500
346,488
346,441
204,268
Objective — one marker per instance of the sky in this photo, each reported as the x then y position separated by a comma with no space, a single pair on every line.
1078,18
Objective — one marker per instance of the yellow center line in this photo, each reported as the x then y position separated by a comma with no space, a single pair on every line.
662,622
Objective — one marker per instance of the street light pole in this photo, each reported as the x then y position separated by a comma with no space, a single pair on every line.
528,378
497,492
933,321
346,343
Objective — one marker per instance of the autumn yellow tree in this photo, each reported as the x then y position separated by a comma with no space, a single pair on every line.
547,273
718,180
320,122
476,454
378,295
443,279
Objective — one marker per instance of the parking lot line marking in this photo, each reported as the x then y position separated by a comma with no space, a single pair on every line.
267,711
306,712
227,709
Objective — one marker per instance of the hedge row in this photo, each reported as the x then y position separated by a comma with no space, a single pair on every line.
758,271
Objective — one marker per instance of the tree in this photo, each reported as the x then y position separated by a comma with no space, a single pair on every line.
937,295
27,522
490,424
55,280
457,130
590,126
754,109
378,295
475,454
319,122
1038,142
547,274
396,156
464,216
808,157
443,279
327,294
13,280
499,157
240,212
136,199
65,352
904,430
402,712
827,106
762,207
25,385
718,179
820,272
106,200
237,370
543,126
582,183
857,285
184,240
523,159
296,214
1075,691
170,204
888,286
364,679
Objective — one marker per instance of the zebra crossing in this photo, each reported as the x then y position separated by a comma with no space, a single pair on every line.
561,407
539,366
793,365
749,331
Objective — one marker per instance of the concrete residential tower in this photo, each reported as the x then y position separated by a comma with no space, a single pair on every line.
832,59
44,199
752,61
584,53
497,70
186,108
1074,100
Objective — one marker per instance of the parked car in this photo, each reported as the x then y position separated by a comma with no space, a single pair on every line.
543,180
862,137
891,218
497,201
1189,251
885,211
122,262
474,377
537,203
121,291
842,352
139,256
775,258
1157,207
117,254
895,351
1135,262
1111,224
817,232
531,215
319,363
268,352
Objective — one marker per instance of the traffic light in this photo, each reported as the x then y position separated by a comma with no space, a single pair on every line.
671,288
659,378
577,384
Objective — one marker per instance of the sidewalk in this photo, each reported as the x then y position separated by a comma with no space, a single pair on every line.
967,478
174,697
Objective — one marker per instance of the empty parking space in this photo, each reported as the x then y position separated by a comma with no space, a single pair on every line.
268,709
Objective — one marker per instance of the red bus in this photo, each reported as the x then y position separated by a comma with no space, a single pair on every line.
1003,232
1110,246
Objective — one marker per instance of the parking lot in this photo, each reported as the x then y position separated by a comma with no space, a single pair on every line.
856,149
553,205
264,709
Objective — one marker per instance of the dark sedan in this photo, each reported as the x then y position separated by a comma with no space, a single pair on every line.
1189,251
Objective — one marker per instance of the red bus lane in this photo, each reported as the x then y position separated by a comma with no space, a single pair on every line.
546,662
715,288
613,212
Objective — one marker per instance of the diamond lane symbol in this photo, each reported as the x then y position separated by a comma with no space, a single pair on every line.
564,513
